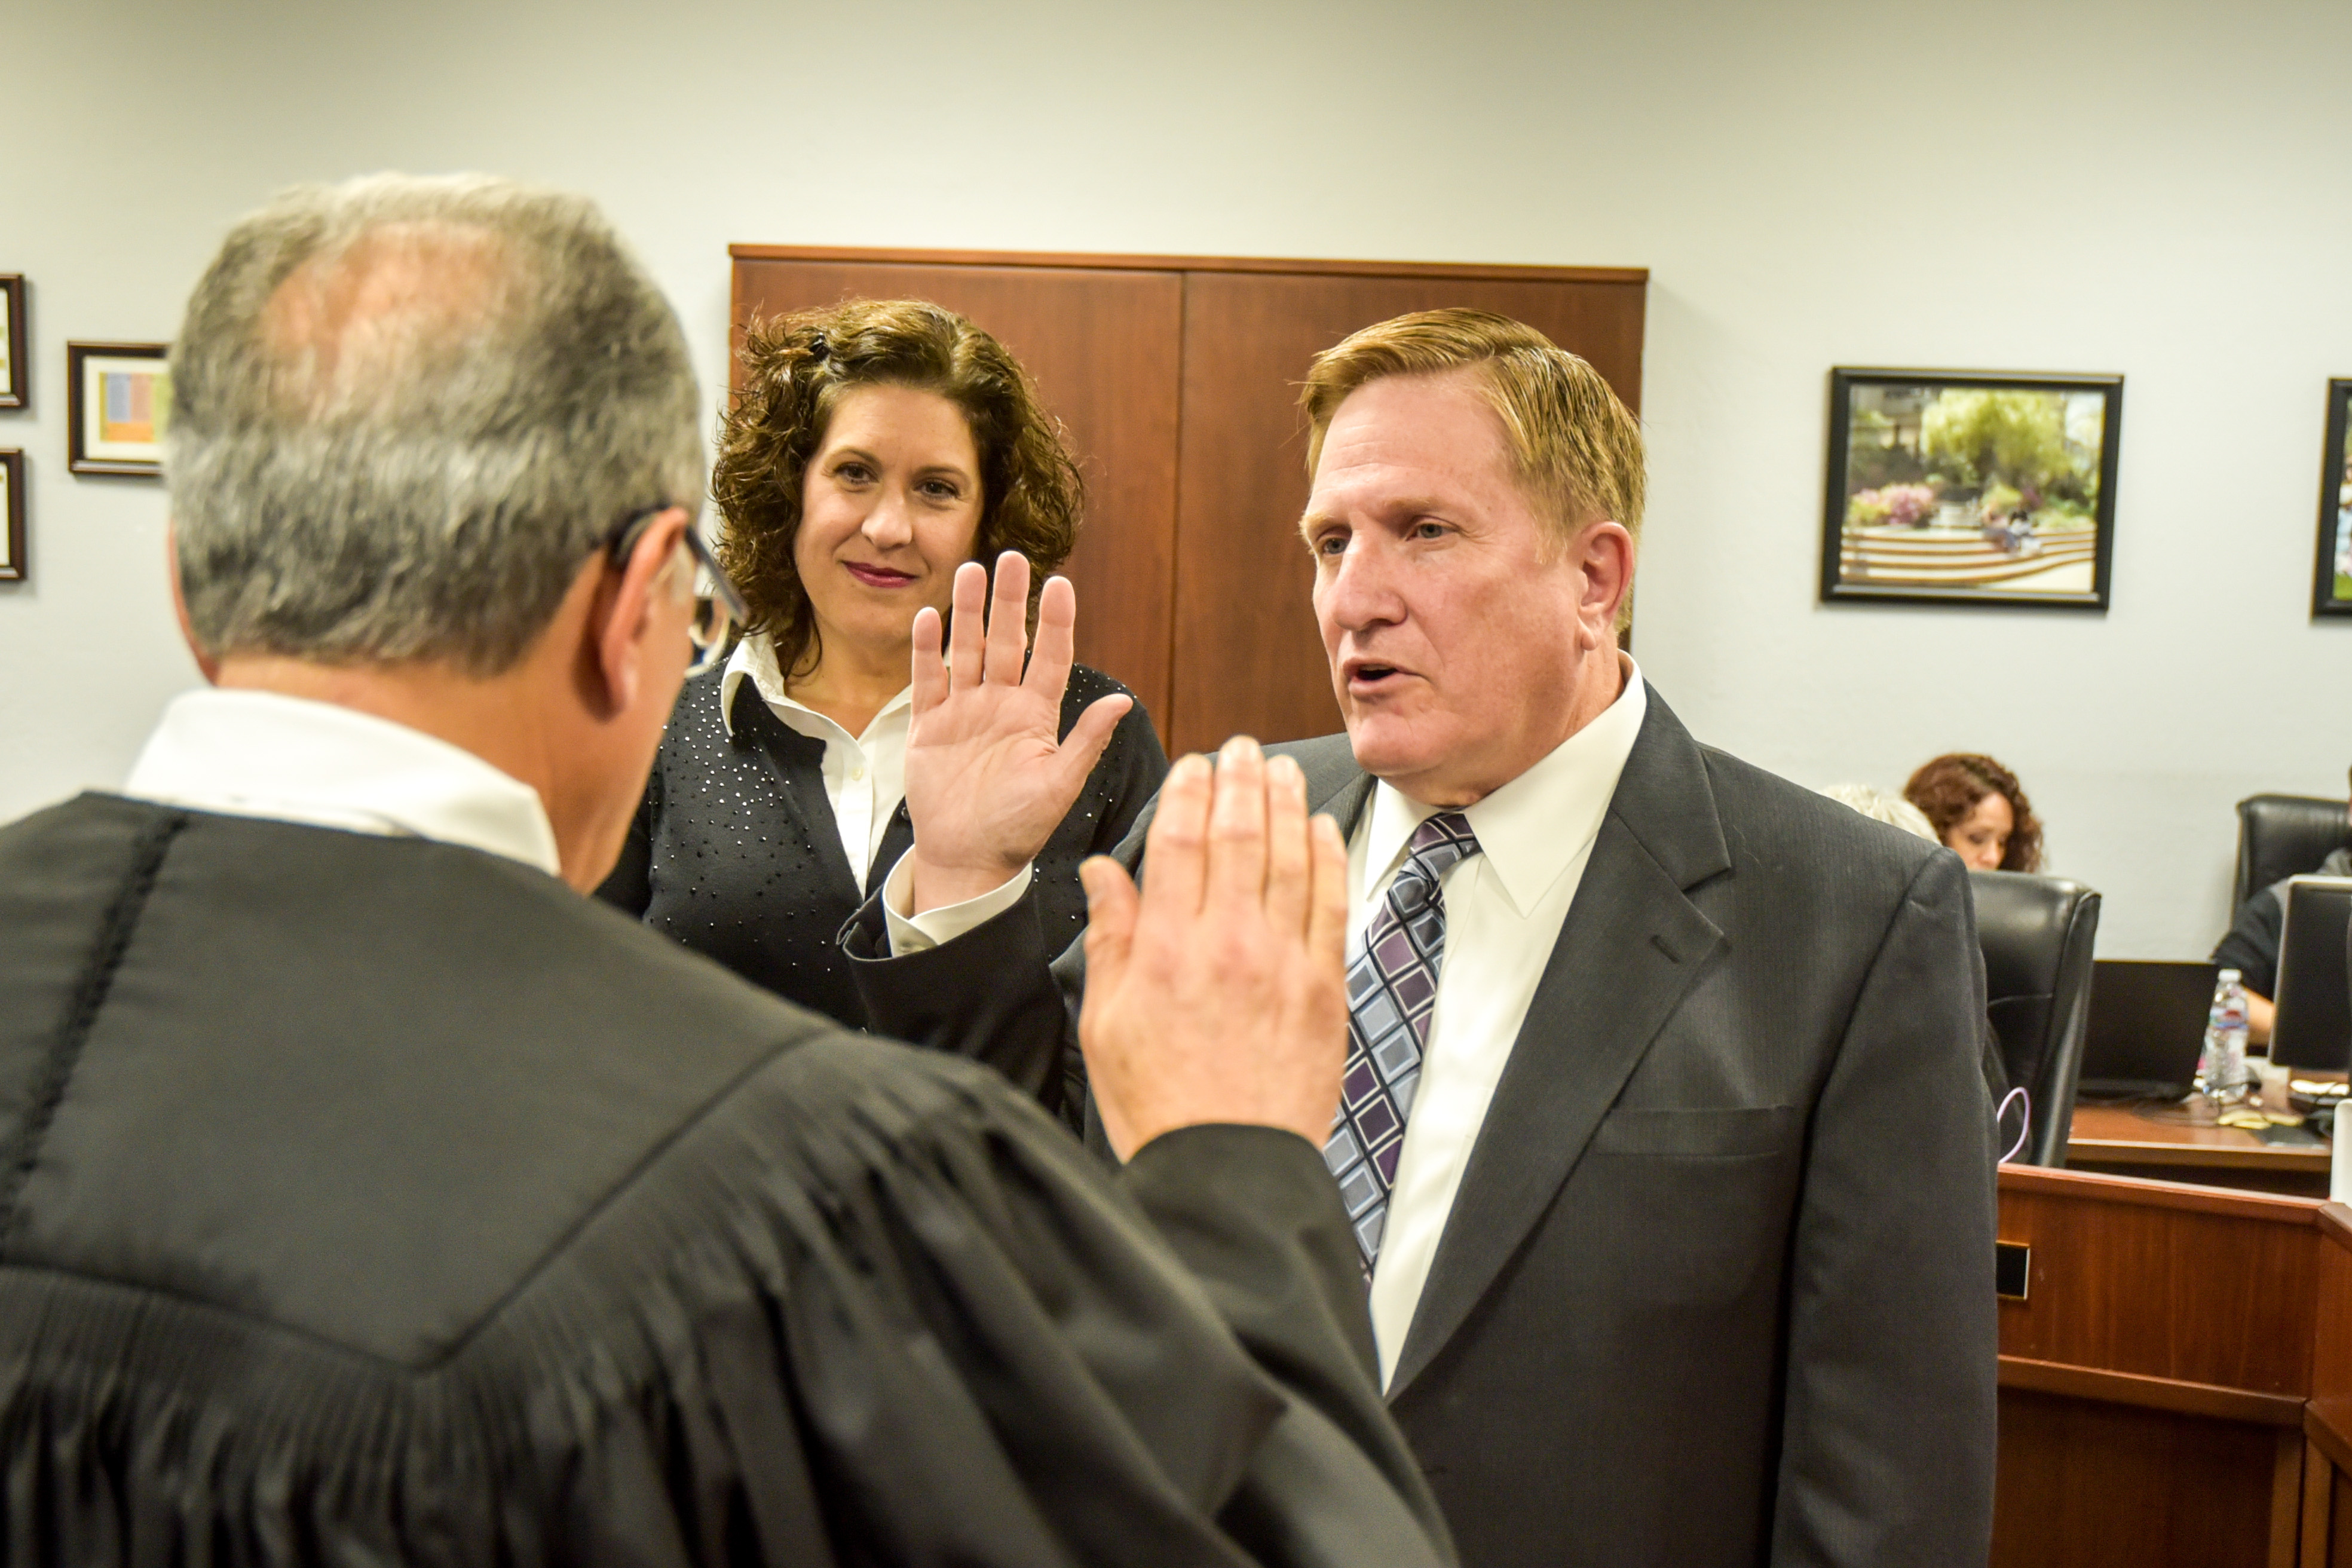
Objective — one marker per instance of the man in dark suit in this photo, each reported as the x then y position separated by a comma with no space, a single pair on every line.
1663,1139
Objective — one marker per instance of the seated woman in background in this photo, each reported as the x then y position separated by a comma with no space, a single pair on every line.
1980,811
873,446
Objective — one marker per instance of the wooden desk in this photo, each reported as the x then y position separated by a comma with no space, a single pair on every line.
2175,1144
2176,1384
2327,1528
2154,1379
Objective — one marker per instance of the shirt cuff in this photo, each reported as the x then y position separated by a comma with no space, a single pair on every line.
937,928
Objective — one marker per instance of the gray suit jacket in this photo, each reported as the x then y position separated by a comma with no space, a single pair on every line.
1717,1288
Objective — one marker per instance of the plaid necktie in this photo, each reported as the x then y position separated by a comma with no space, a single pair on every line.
1391,992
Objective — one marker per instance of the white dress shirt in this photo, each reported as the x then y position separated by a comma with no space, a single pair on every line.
258,753
1503,908
864,775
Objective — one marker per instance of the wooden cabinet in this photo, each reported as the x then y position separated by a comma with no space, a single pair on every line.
1177,378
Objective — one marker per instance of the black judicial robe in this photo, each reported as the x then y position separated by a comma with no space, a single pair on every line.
370,1200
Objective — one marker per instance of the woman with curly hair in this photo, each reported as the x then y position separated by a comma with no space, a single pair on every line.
872,448
1980,811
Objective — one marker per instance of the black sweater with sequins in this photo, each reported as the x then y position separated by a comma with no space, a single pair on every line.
735,851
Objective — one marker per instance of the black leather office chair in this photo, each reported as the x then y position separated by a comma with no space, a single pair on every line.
2283,836
2037,933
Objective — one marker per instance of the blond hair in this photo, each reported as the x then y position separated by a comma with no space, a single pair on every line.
1577,448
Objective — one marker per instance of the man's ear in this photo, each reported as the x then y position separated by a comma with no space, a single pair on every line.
206,665
627,611
1604,560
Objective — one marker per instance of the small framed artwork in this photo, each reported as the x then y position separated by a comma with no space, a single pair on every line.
1971,488
121,396
2331,583
14,356
12,517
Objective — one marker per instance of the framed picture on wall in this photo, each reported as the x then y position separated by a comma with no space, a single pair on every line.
14,354
2331,583
1971,488
12,517
121,396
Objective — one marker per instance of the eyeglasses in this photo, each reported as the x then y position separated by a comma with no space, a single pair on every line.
718,608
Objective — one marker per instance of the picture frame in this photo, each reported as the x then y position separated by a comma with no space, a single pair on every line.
120,396
1973,488
2331,572
12,516
16,347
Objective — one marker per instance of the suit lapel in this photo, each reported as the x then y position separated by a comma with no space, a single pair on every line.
1629,951
1345,804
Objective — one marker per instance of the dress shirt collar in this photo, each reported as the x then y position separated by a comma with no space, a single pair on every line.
1534,828
259,753
754,659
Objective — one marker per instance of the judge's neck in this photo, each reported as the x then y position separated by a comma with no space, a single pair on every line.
512,720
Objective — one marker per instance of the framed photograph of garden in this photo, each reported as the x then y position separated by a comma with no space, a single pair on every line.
2331,582
1971,486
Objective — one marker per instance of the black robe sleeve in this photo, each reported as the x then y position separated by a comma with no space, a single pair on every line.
993,1355
994,992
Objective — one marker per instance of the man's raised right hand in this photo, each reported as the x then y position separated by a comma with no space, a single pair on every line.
1216,992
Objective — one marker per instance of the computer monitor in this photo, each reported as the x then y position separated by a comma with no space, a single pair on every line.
2313,1027
2147,1027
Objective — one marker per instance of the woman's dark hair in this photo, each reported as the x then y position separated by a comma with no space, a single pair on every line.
1948,788
797,369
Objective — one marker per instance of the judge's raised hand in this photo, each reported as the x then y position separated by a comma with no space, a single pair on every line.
989,776
1216,992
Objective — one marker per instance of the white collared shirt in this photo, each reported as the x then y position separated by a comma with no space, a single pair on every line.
289,759
1504,908
864,775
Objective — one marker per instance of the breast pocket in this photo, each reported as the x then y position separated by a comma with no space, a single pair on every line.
1746,1129
1700,1200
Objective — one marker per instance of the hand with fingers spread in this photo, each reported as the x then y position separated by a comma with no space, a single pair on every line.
1215,993
989,775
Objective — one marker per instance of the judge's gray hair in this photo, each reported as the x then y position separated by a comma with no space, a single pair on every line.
1892,809
404,413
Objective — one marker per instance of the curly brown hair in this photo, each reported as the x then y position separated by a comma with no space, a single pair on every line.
797,369
1948,788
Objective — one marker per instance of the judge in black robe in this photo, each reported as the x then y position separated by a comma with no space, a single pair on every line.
369,1195
376,1200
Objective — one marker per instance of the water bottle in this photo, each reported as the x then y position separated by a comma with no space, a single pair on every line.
2222,1071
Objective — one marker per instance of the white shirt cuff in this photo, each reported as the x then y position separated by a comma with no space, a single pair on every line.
937,928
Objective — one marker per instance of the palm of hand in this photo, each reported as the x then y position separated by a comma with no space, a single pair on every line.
989,775
985,777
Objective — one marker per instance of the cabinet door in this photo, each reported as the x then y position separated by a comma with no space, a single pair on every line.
1247,654
1102,345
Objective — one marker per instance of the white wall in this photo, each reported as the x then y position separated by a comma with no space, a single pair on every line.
2157,188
